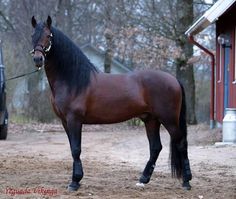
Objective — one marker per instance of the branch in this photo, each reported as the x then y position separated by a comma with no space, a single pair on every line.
9,24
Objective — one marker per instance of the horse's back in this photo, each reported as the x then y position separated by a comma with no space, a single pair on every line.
158,79
115,98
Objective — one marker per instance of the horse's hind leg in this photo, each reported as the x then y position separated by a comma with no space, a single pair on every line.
152,129
182,147
179,155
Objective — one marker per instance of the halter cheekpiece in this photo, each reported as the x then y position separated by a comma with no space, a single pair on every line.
43,49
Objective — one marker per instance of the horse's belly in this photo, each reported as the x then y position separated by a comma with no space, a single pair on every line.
114,113
111,117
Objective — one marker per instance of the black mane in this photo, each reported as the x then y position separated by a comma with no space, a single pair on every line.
70,63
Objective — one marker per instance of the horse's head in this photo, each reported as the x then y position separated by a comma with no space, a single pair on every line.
41,40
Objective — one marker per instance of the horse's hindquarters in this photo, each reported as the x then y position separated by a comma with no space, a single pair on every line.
163,95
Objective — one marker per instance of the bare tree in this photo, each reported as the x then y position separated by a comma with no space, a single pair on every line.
145,34
170,19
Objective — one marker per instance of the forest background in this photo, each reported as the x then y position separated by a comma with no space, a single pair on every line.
140,34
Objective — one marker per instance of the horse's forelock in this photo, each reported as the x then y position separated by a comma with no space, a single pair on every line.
37,33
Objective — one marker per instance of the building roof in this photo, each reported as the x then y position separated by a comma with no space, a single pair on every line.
101,53
210,16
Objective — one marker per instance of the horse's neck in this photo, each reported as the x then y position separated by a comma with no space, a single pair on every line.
51,73
67,65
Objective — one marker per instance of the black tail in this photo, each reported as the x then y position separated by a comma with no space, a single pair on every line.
182,118
177,147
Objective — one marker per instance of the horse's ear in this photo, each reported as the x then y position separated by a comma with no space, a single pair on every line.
33,22
49,22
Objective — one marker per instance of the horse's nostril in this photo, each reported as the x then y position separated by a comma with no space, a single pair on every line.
38,59
35,59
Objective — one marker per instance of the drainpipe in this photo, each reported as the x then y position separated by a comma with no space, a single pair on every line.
212,103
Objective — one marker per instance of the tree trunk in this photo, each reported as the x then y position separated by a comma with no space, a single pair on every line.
107,61
185,71
109,51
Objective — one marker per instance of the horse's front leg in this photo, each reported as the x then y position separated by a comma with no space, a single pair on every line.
74,134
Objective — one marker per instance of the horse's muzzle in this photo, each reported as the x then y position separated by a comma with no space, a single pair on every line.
39,61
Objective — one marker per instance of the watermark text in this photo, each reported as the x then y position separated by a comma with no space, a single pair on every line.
43,191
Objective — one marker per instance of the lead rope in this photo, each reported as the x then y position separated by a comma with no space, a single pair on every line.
23,75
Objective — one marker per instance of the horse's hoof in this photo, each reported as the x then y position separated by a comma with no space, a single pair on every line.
186,186
73,186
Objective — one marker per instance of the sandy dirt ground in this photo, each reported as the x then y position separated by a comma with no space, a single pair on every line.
35,162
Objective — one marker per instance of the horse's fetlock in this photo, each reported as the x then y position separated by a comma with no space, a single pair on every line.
77,177
147,173
77,171
76,153
187,175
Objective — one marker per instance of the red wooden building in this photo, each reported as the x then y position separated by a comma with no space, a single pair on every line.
223,76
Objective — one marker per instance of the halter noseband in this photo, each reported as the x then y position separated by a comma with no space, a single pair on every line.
43,49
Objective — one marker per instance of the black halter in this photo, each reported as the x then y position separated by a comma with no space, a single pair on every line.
43,49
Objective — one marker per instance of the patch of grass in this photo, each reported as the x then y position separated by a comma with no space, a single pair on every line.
135,122
19,119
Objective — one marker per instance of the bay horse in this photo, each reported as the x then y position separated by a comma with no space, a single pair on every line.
83,95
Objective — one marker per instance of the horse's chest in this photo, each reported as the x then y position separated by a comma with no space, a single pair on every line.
57,107
66,106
